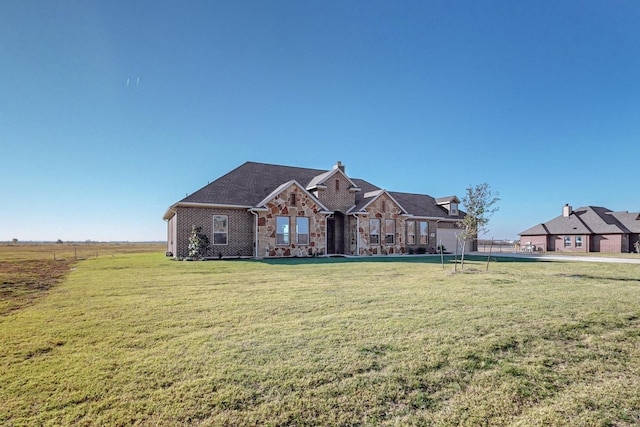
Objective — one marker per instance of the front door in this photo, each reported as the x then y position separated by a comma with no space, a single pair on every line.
331,235
335,234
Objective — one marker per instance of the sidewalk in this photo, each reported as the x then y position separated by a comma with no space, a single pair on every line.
561,257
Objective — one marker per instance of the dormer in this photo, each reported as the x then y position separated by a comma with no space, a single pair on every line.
334,188
450,204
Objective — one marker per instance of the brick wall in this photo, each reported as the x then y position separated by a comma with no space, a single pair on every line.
607,243
240,238
337,197
560,247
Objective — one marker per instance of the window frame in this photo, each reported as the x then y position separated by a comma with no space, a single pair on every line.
578,241
307,234
375,241
389,232
286,234
411,232
567,241
225,232
453,209
426,233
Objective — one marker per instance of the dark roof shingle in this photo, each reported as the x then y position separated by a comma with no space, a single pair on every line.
250,183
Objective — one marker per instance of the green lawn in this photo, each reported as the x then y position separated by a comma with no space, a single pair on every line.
139,339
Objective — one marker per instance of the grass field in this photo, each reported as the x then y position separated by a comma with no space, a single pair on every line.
137,339
27,270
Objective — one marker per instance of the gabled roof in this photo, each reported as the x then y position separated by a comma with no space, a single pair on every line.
588,220
370,197
286,185
320,180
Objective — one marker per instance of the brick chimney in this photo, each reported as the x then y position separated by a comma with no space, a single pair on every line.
566,210
340,166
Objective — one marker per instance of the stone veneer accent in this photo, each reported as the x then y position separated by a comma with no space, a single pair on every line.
375,210
281,205
240,238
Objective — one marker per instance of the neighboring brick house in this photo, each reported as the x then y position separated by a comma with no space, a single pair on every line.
263,210
586,229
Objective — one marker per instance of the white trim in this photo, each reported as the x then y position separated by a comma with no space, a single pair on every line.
437,218
357,235
373,193
255,214
172,208
308,231
287,238
319,180
386,232
440,201
376,194
379,243
170,213
213,230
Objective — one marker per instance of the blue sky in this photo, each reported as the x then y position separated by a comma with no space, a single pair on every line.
110,111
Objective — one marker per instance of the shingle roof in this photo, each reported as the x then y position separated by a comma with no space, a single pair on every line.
250,183
630,220
589,220
536,230
423,205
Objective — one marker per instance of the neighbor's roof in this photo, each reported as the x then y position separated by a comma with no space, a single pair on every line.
250,183
589,220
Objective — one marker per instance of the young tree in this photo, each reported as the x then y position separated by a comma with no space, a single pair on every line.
198,242
479,204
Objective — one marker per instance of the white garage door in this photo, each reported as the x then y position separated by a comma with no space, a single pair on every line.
448,238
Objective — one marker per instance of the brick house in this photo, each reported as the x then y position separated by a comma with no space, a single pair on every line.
586,229
264,210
